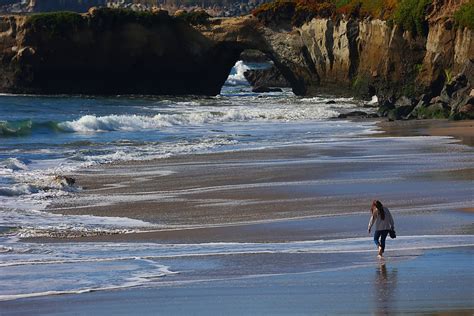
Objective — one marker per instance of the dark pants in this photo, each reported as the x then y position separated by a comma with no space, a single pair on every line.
382,234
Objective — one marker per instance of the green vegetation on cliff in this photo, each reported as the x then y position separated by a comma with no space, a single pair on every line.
198,17
56,22
464,17
382,9
410,14
63,22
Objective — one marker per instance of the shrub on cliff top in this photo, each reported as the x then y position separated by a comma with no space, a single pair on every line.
198,17
300,11
382,9
411,15
120,16
275,11
62,23
56,23
464,16
296,12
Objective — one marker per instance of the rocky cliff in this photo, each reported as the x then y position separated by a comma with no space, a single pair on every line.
431,70
375,57
110,52
117,52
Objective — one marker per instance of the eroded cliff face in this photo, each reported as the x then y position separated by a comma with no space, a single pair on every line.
374,57
118,52
106,52
449,51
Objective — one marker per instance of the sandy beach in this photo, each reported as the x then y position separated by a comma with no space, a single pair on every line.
221,192
283,230
435,283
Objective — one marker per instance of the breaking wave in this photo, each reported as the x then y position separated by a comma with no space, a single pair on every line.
13,164
26,127
92,123
238,77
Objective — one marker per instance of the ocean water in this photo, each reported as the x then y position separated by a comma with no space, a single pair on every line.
45,138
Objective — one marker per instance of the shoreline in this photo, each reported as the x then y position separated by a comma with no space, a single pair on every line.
389,286
178,188
463,131
282,225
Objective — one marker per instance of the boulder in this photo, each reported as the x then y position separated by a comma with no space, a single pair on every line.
270,77
453,88
264,89
404,101
353,114
464,109
400,112
65,181
437,110
386,106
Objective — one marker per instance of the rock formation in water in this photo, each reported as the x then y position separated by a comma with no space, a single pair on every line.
270,77
119,52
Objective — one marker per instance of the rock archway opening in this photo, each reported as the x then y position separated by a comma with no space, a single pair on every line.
255,71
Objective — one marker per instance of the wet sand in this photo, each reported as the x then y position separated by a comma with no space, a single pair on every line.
436,283
460,130
212,196
285,194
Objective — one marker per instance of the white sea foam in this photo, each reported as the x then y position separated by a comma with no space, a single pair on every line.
136,264
238,78
374,100
32,223
13,164
323,100
92,123
18,189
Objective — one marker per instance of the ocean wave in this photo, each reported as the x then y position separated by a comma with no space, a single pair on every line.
18,189
92,123
17,128
14,164
38,184
137,264
321,99
238,77
131,276
307,109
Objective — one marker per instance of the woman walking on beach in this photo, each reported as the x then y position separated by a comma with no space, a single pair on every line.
383,221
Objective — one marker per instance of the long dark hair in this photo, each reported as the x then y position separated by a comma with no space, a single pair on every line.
377,205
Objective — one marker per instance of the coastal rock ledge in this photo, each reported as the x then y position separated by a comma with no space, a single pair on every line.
109,51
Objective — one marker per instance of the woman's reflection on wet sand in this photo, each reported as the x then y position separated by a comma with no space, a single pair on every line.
385,285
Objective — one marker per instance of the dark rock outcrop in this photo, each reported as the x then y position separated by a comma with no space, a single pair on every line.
110,52
264,89
454,101
270,77
357,114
